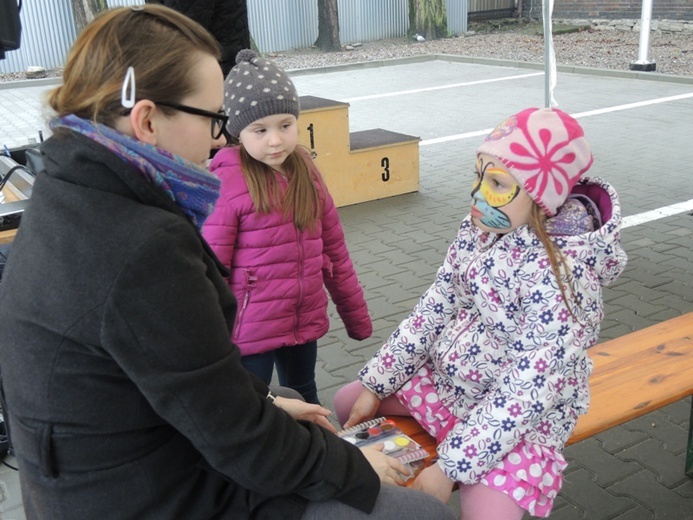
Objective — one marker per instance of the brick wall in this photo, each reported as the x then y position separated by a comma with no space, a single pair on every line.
611,9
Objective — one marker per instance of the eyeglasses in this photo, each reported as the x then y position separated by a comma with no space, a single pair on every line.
219,119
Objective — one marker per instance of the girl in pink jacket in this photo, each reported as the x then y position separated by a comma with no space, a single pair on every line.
276,228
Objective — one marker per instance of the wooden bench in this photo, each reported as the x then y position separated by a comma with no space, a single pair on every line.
633,375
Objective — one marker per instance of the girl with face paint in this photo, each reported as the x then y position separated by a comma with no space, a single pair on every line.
492,361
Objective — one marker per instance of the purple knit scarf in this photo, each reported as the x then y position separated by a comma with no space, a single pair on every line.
194,189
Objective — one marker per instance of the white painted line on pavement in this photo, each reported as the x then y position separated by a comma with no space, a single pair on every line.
456,137
656,214
637,104
616,108
441,87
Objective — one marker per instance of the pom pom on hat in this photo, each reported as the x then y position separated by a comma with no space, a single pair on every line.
245,55
546,152
256,88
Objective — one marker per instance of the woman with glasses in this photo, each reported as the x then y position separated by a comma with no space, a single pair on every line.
125,397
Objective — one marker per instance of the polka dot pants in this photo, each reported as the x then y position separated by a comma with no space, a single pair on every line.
530,474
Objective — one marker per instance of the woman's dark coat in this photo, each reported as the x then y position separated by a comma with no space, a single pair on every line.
125,397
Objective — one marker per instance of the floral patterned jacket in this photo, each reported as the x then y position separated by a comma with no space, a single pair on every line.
508,358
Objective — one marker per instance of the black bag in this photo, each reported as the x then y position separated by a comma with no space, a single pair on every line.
10,26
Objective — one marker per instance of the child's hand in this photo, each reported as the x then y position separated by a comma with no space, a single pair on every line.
364,408
389,469
305,411
433,481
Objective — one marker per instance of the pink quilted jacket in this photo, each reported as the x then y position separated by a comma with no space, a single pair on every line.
278,273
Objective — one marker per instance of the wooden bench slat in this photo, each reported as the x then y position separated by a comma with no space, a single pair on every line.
669,330
637,374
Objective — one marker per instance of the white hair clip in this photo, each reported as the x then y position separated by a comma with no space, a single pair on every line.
137,7
127,95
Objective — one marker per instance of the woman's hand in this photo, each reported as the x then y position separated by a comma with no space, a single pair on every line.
305,411
389,469
433,481
364,408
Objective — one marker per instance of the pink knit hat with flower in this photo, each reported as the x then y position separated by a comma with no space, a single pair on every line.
545,150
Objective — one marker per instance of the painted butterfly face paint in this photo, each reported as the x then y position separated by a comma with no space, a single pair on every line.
496,188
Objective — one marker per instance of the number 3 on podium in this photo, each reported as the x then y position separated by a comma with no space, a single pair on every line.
385,163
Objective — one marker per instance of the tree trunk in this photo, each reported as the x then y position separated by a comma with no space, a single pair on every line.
328,26
428,18
85,10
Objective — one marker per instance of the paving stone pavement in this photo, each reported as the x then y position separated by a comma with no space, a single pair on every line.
641,144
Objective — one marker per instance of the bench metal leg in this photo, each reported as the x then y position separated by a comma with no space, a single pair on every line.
689,454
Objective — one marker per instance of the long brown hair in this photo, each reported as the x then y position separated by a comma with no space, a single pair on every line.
556,258
161,45
301,203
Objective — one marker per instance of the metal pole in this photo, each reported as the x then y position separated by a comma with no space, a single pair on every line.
549,55
642,63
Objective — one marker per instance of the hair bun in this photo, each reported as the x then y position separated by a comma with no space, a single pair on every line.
245,55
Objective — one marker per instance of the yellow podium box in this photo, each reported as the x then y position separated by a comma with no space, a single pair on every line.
358,166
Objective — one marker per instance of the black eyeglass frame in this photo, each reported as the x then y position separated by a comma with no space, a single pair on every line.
216,117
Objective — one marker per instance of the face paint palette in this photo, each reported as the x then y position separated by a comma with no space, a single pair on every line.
395,442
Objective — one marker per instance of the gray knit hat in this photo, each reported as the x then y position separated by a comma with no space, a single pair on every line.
256,88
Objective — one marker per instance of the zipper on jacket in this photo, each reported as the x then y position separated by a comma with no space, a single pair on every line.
328,269
250,280
299,241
